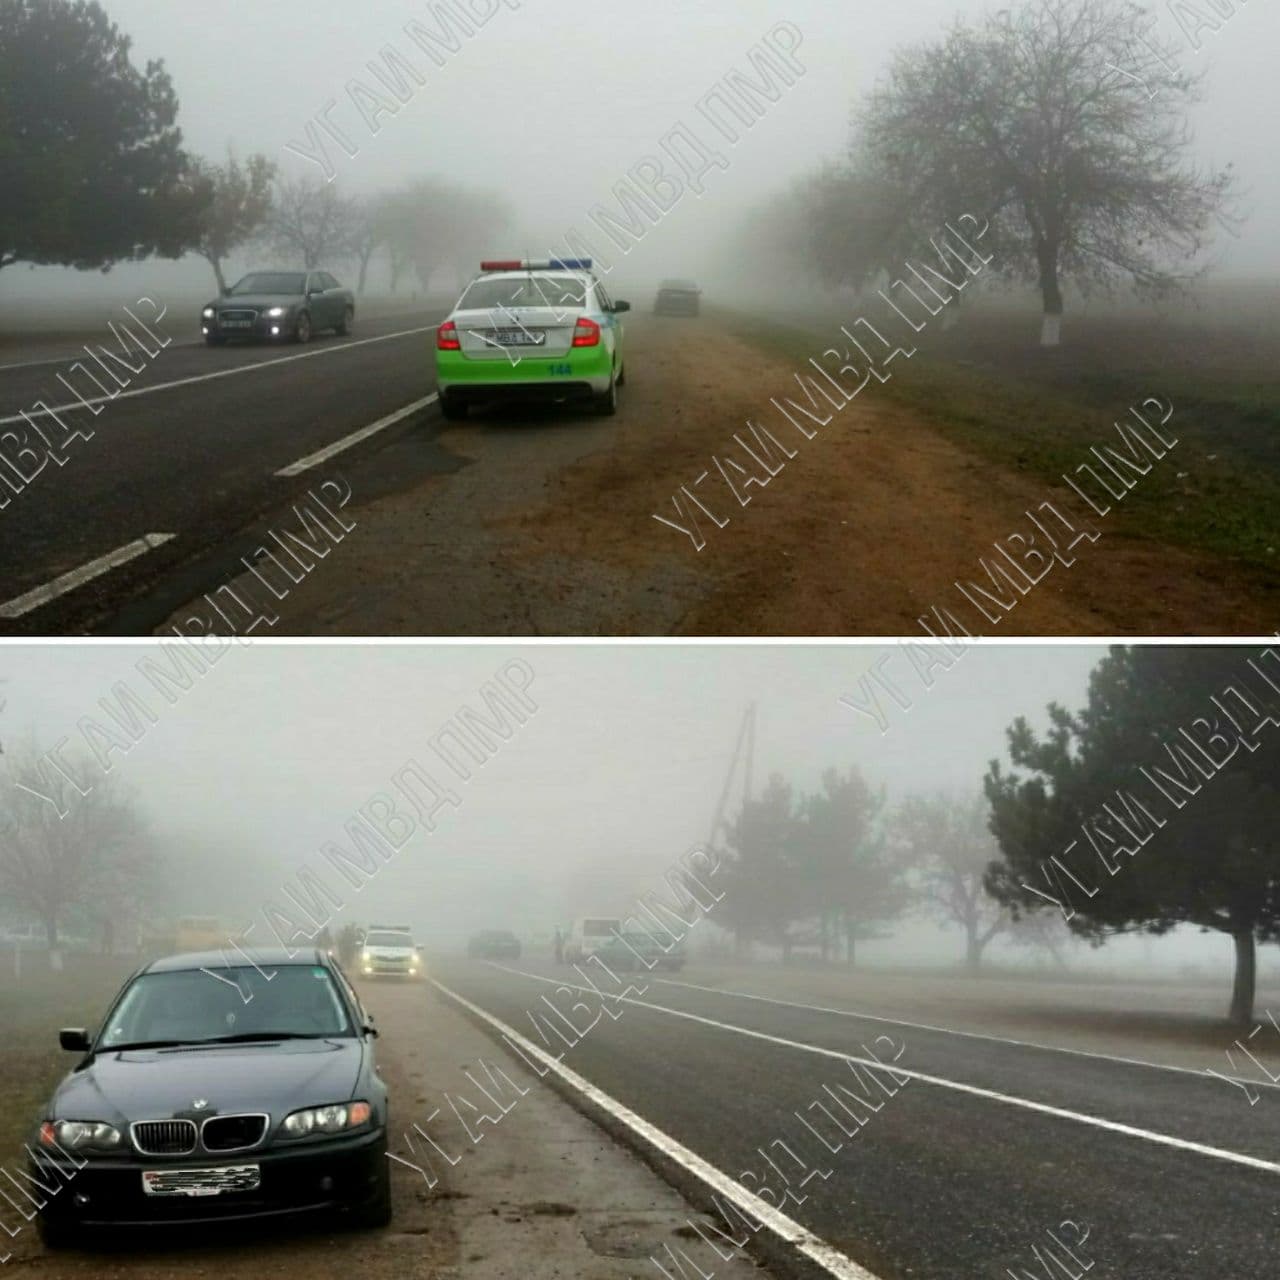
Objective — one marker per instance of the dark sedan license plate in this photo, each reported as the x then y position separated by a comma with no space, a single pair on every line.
518,338
237,324
201,1182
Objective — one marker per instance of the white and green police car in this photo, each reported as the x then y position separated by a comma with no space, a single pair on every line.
532,330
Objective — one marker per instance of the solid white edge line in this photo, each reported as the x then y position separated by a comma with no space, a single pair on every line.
220,373
951,1031
787,1229
339,446
60,586
992,1095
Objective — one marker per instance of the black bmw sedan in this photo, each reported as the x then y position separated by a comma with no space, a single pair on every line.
213,1092
280,305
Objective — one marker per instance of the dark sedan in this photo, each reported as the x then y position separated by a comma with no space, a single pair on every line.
494,944
279,305
678,298
213,1092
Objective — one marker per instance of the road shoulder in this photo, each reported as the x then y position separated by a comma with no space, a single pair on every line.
544,1192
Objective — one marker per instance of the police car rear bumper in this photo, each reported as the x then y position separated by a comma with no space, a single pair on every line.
581,373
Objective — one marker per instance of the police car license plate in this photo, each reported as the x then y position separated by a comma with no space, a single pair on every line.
517,338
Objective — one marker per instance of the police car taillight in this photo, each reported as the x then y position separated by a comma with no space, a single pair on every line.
447,337
586,333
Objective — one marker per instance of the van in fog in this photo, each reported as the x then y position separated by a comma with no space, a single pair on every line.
589,935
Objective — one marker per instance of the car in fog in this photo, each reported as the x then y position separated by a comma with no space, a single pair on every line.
389,953
635,949
494,944
523,330
678,298
217,1092
279,305
590,934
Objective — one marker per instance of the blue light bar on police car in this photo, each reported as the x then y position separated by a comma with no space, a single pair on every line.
548,264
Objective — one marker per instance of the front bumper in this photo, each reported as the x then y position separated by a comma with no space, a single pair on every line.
263,327
108,1193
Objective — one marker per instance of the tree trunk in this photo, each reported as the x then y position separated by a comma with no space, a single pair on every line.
973,951
364,272
1051,292
1246,982
51,933
216,264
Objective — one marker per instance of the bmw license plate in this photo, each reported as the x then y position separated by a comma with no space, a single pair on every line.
237,324
516,338
201,1182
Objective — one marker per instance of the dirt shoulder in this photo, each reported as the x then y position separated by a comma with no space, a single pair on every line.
549,526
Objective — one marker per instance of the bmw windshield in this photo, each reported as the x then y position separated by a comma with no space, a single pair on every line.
195,1006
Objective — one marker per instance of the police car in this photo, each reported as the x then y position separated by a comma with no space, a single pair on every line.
532,330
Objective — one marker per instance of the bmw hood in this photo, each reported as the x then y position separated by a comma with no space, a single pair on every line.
154,1084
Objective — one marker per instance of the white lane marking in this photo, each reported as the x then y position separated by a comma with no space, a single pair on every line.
992,1095
338,446
73,356
221,373
33,599
951,1031
787,1229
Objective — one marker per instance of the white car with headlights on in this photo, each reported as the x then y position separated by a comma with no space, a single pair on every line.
389,953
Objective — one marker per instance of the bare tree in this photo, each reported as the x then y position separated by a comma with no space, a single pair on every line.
365,237
58,853
432,223
311,222
1062,123
947,842
239,206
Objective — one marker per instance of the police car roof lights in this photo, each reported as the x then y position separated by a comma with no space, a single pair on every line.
544,264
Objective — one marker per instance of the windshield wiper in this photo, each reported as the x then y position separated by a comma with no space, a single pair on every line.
141,1044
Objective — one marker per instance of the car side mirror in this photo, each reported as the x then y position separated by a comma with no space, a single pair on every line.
369,1028
75,1039
620,307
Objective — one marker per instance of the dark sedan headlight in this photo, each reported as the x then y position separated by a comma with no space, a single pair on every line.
80,1135
338,1118
277,313
208,313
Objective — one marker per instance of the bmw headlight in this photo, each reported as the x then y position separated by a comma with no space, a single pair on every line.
79,1135
333,1119
208,313
276,312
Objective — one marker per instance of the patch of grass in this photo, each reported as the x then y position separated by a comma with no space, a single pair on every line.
988,388
33,1006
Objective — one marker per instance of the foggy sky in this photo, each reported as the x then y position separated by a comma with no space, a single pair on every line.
551,105
612,779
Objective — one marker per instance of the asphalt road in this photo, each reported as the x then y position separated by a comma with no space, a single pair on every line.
179,452
967,1167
